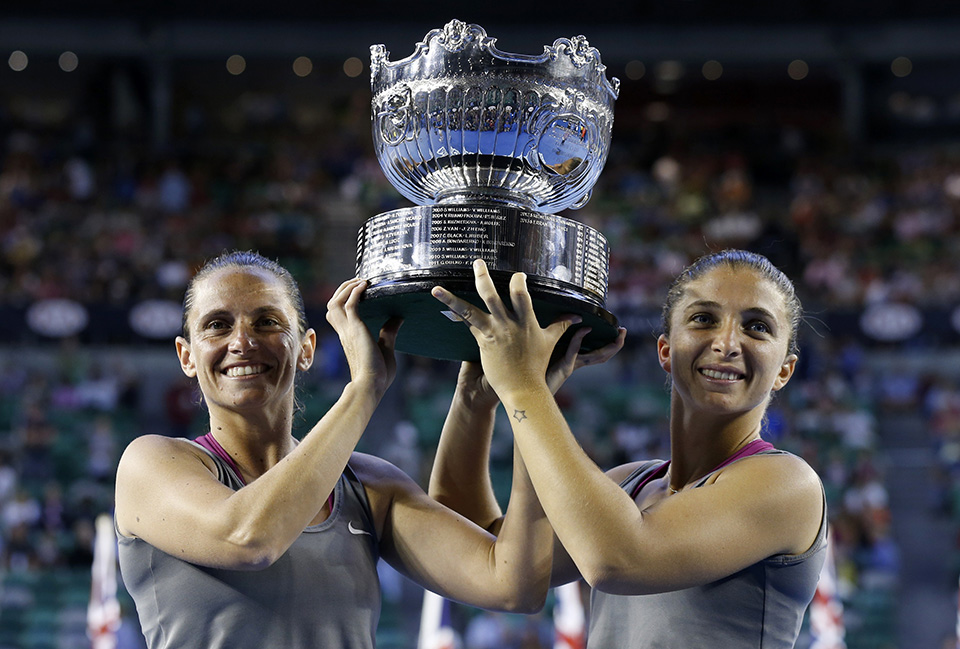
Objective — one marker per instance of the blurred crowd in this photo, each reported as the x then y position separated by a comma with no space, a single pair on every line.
116,223
122,223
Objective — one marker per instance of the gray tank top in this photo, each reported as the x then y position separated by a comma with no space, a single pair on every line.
760,607
322,593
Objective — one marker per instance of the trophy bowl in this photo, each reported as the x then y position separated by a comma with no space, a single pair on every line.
489,146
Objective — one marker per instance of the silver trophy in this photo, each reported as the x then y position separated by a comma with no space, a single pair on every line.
489,146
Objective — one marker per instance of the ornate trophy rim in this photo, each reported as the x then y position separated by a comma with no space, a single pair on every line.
460,115
457,36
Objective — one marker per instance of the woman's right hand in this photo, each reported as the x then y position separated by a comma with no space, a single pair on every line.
370,360
514,349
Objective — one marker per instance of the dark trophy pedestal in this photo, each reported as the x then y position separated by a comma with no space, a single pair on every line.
427,331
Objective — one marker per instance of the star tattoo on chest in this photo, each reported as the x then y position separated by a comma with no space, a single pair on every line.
519,415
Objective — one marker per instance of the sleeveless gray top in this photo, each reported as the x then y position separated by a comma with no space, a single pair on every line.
323,592
760,607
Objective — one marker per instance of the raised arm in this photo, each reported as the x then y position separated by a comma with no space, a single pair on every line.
758,507
460,477
168,495
450,555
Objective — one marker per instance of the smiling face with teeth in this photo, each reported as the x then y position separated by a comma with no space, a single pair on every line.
727,349
244,344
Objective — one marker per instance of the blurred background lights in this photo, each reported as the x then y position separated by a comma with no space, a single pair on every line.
68,61
635,70
658,111
669,71
236,64
899,103
924,109
302,66
667,76
712,70
798,69
57,317
157,319
353,67
951,186
901,66
17,61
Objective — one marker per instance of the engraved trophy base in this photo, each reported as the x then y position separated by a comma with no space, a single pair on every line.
406,252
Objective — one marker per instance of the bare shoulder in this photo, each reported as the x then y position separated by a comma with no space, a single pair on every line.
152,461
148,468
782,468
150,444
780,487
155,451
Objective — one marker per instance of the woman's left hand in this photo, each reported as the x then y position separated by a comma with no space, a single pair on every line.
573,359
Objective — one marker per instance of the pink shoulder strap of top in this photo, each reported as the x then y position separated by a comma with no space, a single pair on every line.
210,443
756,446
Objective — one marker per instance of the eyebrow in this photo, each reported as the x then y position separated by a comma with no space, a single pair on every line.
711,304
219,313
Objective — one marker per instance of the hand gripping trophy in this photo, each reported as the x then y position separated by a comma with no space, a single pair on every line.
489,146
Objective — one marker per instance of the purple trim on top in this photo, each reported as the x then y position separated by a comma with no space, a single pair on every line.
210,443
756,446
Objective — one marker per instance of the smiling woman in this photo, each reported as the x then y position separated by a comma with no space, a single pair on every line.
245,337
243,537
729,336
722,544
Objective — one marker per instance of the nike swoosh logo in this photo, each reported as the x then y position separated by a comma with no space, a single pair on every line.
357,531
